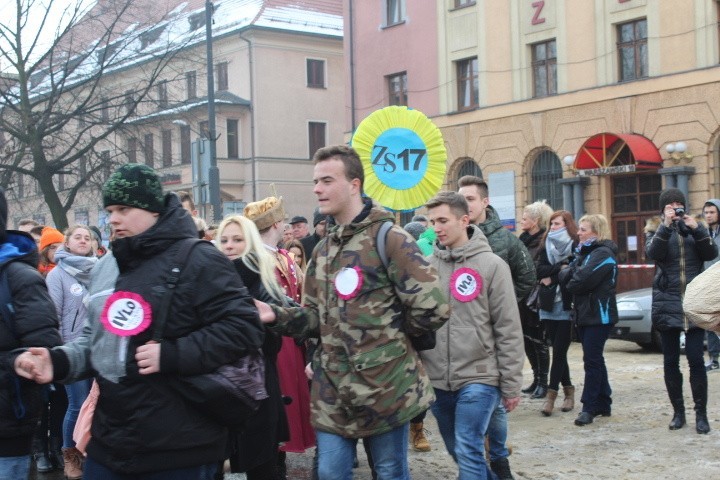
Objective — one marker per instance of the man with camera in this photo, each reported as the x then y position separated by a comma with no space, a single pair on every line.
679,247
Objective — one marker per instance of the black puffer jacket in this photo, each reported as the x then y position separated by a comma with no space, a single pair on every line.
139,425
591,279
35,325
679,259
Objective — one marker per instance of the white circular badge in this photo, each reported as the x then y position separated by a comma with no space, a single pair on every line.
76,289
348,282
126,313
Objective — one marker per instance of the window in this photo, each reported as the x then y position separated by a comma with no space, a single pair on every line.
232,139
204,129
162,94
191,84
544,65
315,73
106,164
222,76
185,144
469,167
632,50
546,171
468,88
394,12
61,182
167,148
129,101
149,150
397,89
131,150
463,3
316,137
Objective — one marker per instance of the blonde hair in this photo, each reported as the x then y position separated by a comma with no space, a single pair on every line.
598,224
256,257
541,212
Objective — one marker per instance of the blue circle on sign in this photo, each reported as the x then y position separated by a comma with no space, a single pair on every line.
399,158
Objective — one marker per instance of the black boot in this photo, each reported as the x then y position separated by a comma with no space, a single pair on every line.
501,468
699,393
542,386
673,384
532,358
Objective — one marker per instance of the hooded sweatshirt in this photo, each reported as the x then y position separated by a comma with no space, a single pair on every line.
714,234
482,342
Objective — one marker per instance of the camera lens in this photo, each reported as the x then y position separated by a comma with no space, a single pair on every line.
679,212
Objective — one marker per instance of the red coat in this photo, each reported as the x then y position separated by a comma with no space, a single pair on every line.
291,365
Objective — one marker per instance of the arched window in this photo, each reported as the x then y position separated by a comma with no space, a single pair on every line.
546,171
469,167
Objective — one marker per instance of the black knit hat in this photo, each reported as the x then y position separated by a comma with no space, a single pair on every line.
136,186
670,195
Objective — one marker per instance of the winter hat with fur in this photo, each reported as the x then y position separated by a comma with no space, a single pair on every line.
670,195
135,185
266,212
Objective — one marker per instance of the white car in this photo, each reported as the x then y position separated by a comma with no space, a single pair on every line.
635,319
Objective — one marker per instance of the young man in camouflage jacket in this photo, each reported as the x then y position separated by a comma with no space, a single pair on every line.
368,381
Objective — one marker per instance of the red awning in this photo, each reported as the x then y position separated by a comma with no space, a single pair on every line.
602,151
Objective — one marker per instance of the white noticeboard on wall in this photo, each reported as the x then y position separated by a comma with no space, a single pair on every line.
502,196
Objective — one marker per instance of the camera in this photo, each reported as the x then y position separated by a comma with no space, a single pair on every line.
679,212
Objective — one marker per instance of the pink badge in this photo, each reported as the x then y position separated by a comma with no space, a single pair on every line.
126,314
348,282
465,284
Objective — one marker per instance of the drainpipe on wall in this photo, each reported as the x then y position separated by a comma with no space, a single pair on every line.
252,118
352,67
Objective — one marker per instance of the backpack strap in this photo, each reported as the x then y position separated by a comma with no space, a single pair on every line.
381,241
176,267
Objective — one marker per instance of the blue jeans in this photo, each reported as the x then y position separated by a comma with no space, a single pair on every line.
463,417
95,471
389,454
76,393
15,467
713,342
596,395
497,433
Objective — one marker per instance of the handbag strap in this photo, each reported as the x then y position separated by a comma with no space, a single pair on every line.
176,267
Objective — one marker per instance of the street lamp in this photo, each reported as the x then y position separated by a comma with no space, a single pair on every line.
678,151
213,171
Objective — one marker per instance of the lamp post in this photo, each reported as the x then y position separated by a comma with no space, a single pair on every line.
213,171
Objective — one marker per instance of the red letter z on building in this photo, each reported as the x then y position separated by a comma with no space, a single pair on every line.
538,6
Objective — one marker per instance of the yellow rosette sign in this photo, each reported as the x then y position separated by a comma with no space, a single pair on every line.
403,155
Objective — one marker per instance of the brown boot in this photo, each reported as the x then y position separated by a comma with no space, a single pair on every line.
549,402
569,402
73,463
417,437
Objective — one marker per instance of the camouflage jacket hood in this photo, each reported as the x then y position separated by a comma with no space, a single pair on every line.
367,377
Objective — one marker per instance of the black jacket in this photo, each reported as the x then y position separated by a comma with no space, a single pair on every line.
35,325
140,425
591,278
258,443
671,250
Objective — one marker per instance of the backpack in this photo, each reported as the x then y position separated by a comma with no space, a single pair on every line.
424,341
8,315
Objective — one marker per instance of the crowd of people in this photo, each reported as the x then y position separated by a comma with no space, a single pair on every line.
341,318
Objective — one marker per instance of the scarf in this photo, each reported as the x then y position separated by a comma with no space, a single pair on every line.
586,243
78,267
558,245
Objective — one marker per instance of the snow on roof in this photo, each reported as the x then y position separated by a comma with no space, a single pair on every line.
183,26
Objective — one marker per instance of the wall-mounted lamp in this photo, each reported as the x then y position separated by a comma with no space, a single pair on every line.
569,160
678,151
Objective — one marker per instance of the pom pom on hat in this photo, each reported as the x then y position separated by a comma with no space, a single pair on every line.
266,212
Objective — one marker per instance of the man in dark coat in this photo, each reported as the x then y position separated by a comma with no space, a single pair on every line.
141,427
320,225
34,322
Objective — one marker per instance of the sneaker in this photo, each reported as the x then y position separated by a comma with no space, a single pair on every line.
712,366
501,468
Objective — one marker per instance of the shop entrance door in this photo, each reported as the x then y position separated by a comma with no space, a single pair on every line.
635,200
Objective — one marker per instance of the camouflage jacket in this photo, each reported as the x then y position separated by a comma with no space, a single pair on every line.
367,377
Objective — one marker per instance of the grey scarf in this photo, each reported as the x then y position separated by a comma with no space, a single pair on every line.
78,267
558,245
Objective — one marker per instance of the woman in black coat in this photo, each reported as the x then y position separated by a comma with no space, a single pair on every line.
534,223
679,247
255,449
591,279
